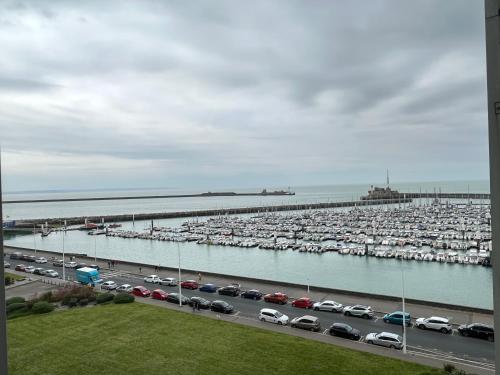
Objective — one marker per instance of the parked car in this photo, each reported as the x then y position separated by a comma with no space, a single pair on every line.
174,298
396,317
209,288
141,291
125,288
362,311
6,264
51,273
81,265
168,281
20,267
95,266
308,322
303,303
221,306
41,260
29,258
229,290
478,330
435,323
39,271
16,255
109,285
155,279
200,302
280,298
273,316
29,269
345,331
159,294
189,284
252,294
328,306
387,339
70,265
57,263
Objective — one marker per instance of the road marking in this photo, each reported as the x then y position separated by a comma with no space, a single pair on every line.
325,331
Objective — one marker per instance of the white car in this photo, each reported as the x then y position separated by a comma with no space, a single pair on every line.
434,322
125,288
70,265
362,311
41,260
109,285
51,273
155,279
169,281
387,339
328,306
273,316
29,269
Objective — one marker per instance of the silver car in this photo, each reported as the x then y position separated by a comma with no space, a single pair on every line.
125,288
169,281
328,306
387,339
307,322
362,311
434,322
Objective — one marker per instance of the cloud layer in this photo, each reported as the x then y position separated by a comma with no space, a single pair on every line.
224,93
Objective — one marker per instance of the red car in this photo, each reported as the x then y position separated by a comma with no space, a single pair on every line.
140,291
20,267
280,298
159,294
304,303
189,284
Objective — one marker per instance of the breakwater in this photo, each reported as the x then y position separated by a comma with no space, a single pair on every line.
209,212
463,196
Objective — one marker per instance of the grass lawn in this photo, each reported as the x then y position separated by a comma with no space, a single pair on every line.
14,276
142,339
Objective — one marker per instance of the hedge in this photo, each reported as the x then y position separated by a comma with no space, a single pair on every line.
15,300
42,307
105,297
123,298
16,306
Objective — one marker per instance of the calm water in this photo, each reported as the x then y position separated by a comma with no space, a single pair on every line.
452,283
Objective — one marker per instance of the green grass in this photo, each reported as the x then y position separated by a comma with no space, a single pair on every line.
14,276
142,339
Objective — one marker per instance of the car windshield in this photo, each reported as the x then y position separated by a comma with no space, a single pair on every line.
278,314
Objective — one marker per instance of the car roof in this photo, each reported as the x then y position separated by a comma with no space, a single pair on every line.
272,311
159,291
310,317
126,285
399,312
390,334
439,318
341,325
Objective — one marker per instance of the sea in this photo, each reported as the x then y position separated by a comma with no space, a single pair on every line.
465,285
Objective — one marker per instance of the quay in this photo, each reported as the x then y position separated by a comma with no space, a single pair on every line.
263,193
56,222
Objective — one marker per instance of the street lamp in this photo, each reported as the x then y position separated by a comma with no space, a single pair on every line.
403,298
179,282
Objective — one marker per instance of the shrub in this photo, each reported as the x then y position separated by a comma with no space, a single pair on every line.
72,302
123,298
84,302
42,307
104,297
15,300
16,307
47,296
449,368
9,280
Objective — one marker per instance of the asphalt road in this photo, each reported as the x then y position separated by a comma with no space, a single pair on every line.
452,346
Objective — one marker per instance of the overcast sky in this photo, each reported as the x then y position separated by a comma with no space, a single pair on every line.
100,94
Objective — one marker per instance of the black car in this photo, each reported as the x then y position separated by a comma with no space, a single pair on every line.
39,271
16,256
221,306
174,298
479,330
345,331
230,290
202,303
95,266
81,265
251,294
29,258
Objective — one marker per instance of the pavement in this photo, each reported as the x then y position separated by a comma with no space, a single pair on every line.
427,347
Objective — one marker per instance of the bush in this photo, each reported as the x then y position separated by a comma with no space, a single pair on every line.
123,298
9,280
16,306
15,300
449,368
104,297
84,302
42,307
73,301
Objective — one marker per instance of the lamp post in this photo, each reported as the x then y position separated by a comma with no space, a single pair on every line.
179,282
403,302
64,262
3,316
